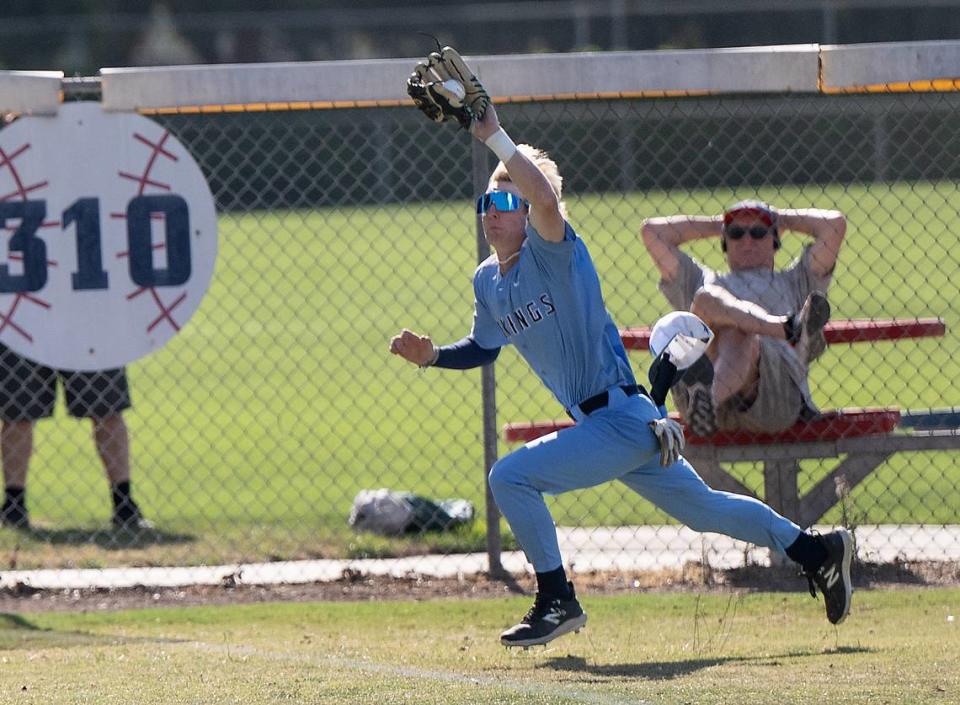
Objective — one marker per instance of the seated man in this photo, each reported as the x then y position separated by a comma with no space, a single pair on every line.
768,322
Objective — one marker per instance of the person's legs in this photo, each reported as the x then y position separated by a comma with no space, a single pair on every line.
730,367
16,447
776,401
102,396
718,308
28,392
599,448
681,493
113,446
717,391
602,447
735,358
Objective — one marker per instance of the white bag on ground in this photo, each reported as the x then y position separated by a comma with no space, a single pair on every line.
390,513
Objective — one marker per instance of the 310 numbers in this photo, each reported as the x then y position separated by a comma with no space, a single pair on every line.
84,215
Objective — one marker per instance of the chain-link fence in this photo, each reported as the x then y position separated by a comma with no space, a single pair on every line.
253,430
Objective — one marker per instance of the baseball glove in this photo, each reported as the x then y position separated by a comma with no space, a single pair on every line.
444,88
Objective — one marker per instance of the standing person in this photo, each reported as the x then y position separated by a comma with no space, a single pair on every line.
28,392
768,322
540,292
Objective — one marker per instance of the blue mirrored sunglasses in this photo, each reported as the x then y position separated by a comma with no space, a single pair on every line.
503,200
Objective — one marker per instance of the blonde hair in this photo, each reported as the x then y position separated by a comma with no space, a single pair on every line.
544,163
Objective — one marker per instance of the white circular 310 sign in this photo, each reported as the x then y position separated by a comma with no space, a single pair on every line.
108,237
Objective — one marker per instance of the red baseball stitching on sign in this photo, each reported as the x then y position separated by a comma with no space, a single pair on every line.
34,300
8,319
47,224
157,146
156,150
165,311
6,160
19,258
121,216
158,246
144,181
23,190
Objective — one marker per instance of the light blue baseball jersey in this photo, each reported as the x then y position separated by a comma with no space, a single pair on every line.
549,305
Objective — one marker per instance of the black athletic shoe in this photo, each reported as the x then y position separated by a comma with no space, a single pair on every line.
127,517
701,416
808,325
14,515
833,577
549,618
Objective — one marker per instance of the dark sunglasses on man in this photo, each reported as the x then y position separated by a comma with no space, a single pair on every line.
757,232
503,200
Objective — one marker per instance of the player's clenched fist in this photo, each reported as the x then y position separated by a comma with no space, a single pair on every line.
418,349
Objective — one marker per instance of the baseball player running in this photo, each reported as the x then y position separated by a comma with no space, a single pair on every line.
540,292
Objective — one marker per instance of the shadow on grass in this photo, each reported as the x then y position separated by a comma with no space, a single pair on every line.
668,670
110,539
9,620
18,632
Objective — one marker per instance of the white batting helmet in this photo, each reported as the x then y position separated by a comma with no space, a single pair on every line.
681,334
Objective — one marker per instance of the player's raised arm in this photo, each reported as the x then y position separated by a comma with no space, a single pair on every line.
545,215
444,88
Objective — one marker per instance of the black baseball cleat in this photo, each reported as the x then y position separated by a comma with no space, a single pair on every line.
701,416
14,515
832,578
549,618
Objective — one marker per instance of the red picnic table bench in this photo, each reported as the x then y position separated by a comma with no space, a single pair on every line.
867,436
854,330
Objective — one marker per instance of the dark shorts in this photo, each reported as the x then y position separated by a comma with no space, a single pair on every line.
28,390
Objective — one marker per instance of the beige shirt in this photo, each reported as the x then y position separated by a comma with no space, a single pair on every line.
779,292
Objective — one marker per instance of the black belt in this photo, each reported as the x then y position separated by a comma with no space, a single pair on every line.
598,401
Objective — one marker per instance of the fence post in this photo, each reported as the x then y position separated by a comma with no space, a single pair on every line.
488,385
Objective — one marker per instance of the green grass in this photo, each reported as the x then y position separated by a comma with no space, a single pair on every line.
669,649
255,427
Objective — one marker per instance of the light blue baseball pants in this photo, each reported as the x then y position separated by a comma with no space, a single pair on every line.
616,443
